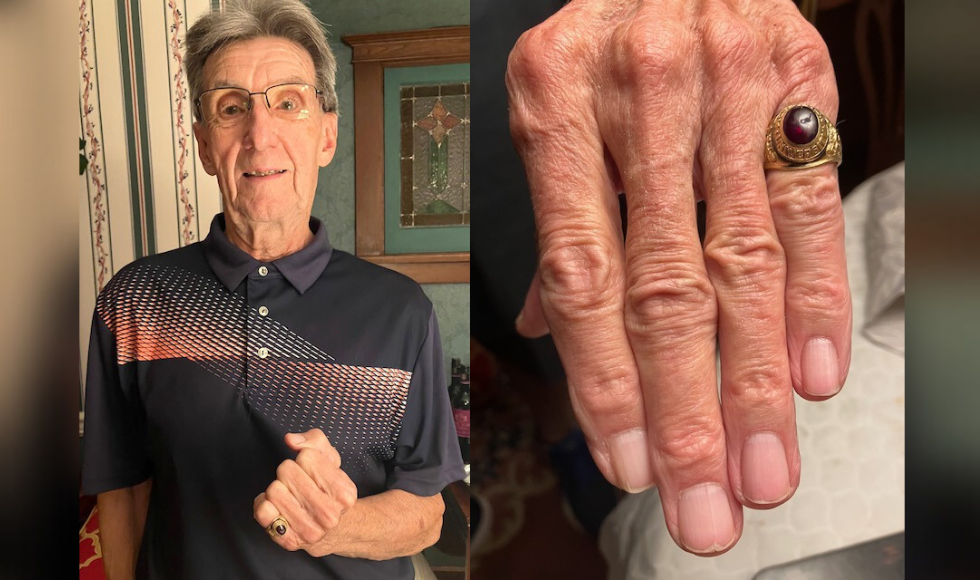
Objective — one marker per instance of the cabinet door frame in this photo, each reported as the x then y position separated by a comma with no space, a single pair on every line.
372,54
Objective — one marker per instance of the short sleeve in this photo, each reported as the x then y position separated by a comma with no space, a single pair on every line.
427,456
113,443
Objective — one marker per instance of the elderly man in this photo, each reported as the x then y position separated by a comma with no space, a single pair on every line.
261,405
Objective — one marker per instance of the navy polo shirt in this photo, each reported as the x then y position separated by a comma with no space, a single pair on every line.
203,358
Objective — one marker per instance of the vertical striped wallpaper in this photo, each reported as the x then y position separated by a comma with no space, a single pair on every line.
145,190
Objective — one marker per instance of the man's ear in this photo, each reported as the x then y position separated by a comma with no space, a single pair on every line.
203,148
328,140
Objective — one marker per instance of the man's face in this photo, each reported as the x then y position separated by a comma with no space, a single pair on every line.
262,142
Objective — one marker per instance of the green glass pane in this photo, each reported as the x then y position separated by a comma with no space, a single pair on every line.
438,165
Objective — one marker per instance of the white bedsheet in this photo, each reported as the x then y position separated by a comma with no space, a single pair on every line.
852,487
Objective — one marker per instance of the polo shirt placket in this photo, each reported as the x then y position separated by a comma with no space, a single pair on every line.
258,285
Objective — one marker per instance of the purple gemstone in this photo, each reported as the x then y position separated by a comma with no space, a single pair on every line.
281,530
800,125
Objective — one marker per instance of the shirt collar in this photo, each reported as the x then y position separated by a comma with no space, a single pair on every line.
231,264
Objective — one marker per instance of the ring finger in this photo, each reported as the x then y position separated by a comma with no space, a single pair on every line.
267,514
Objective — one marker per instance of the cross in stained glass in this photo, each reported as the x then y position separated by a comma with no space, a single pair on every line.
435,160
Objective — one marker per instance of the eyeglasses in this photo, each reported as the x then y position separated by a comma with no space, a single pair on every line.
230,106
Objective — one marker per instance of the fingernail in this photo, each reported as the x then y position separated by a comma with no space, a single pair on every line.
630,455
520,319
705,518
820,367
765,473
297,438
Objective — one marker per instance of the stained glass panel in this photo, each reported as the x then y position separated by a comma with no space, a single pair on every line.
435,155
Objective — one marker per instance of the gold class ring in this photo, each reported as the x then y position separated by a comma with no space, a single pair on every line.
800,137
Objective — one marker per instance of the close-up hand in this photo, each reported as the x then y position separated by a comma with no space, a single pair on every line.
670,102
310,495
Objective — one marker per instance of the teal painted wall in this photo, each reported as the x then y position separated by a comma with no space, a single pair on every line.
334,202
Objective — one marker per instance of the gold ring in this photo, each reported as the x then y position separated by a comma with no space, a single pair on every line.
800,137
278,527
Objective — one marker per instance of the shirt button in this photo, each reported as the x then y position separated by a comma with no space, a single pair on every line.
263,352
263,270
263,311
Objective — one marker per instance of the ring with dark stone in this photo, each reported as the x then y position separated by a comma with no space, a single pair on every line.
278,526
800,137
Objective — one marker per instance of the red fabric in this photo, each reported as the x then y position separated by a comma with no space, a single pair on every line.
90,550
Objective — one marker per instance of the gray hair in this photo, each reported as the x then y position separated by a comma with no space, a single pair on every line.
248,19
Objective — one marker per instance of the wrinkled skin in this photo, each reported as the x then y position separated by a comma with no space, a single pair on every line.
312,493
669,101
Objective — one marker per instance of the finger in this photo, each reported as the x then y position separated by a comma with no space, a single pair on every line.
332,481
746,264
581,256
809,218
266,514
530,322
316,440
301,523
670,305
264,511
322,508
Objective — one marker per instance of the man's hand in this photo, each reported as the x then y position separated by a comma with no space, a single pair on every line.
312,493
669,101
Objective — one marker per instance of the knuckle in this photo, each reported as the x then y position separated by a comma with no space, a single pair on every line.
541,59
651,53
732,45
808,200
262,511
333,457
285,469
690,445
669,298
745,255
803,56
544,82
304,461
319,437
578,277
757,384
267,510
820,298
810,50
276,491
610,399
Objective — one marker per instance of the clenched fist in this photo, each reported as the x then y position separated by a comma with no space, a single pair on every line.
311,493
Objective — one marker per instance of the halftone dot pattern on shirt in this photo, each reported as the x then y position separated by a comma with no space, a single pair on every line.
158,313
